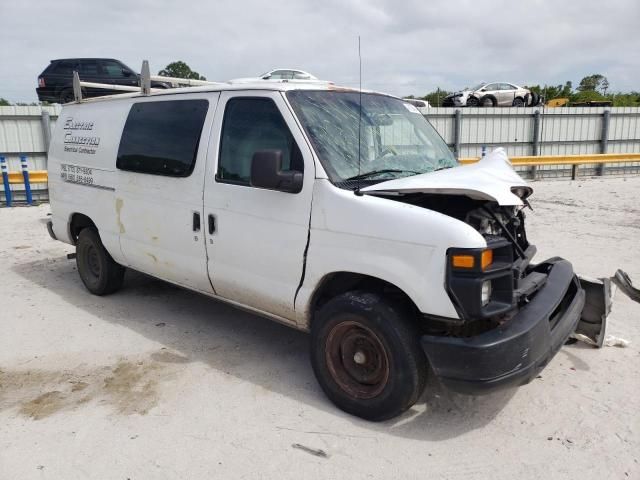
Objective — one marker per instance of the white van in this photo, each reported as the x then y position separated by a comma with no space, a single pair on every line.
338,212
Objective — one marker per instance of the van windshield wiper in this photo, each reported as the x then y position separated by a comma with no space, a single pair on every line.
373,173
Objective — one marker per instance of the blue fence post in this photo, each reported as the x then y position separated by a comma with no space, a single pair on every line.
5,180
25,174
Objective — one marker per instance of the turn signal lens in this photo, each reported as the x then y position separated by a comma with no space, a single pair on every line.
486,259
469,261
463,261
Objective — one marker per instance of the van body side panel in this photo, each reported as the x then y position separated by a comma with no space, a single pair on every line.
82,167
155,215
400,243
256,253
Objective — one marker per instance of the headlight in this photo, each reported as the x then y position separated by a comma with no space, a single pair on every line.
485,296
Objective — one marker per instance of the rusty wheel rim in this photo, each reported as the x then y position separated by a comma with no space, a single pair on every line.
357,359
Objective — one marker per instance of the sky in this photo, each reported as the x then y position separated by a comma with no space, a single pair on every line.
408,46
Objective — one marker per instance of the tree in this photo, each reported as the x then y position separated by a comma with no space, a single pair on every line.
592,82
605,86
4,103
435,98
180,69
587,96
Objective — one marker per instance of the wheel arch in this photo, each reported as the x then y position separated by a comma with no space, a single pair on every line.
334,283
77,222
493,99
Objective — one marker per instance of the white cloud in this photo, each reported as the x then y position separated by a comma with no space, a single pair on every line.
408,47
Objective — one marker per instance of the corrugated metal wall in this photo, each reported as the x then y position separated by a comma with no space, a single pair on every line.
562,131
21,133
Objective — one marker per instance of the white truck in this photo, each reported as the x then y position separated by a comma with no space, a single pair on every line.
338,212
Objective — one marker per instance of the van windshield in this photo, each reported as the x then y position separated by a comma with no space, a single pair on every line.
395,139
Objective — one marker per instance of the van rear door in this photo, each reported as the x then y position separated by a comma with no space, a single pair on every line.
258,236
160,170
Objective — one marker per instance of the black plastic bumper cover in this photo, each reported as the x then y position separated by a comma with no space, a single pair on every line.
515,352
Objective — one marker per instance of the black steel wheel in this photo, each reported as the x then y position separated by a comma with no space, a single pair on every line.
366,355
98,271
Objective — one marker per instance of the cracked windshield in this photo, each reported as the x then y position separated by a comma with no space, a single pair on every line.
395,139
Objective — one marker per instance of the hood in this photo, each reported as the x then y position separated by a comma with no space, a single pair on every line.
492,178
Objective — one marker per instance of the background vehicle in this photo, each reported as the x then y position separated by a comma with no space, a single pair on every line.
55,82
416,102
279,75
496,94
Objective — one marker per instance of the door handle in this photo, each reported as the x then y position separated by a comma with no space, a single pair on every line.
196,221
212,224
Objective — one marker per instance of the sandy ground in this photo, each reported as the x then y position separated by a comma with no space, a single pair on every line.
158,382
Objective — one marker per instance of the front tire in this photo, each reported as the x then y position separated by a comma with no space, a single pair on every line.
98,271
366,355
472,102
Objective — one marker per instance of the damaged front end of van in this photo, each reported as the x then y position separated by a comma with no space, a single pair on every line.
514,314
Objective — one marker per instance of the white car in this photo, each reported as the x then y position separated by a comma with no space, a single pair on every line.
495,94
337,212
418,103
280,74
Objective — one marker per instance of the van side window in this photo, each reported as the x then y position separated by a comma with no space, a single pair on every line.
251,125
161,138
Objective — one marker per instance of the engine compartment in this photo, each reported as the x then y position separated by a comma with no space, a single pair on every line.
488,218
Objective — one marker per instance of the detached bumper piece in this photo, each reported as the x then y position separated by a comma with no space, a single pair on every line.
513,353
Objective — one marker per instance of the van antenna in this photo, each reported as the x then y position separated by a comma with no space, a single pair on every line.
357,190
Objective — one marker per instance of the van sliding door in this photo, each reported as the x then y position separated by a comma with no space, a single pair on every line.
161,165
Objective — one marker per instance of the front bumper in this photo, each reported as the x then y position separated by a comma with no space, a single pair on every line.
513,353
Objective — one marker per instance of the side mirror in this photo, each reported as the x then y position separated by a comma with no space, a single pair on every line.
126,72
483,89
266,172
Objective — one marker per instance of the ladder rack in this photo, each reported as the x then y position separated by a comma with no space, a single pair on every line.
145,83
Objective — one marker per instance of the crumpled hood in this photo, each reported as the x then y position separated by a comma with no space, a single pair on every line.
492,178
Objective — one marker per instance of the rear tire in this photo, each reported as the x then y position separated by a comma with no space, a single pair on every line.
98,271
66,96
366,355
488,101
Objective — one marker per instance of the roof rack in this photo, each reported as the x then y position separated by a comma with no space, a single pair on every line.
145,83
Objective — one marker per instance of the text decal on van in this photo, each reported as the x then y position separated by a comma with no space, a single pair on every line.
78,138
88,176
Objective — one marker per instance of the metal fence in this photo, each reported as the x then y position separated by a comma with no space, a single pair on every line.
27,131
521,131
543,131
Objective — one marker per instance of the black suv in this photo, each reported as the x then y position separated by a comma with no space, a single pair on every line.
55,83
